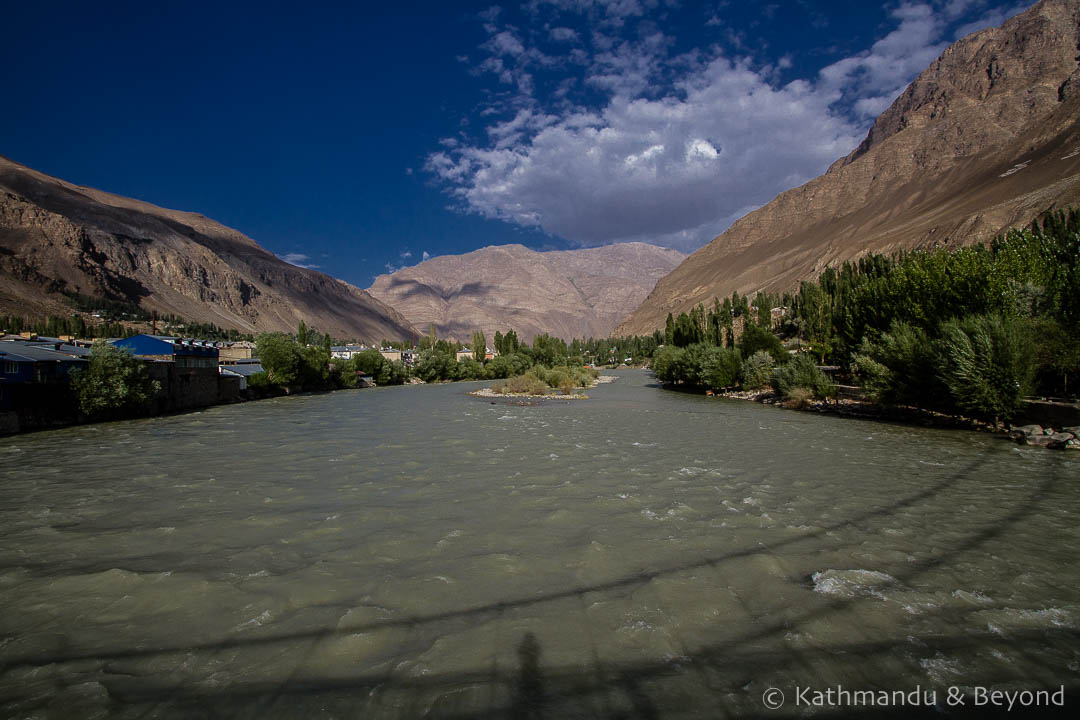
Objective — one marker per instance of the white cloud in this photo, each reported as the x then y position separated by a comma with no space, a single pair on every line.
563,34
425,256
991,18
299,260
678,147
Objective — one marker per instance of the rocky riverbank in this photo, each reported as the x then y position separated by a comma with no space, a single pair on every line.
1067,438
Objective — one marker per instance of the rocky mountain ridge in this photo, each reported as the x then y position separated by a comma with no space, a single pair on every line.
58,237
985,139
565,293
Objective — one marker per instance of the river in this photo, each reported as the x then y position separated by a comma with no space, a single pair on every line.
415,552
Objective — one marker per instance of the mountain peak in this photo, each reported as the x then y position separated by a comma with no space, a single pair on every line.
566,293
984,139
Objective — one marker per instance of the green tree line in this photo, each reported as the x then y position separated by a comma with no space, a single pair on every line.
970,330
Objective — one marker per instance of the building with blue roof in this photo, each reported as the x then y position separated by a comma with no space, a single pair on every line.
183,352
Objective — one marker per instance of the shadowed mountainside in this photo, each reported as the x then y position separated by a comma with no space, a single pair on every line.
57,237
983,140
567,293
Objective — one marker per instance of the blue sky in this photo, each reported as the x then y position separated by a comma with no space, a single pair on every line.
359,137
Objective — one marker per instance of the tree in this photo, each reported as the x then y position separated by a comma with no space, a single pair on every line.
817,317
719,367
755,338
280,357
900,367
433,365
114,383
687,331
757,370
302,334
479,343
986,365
665,362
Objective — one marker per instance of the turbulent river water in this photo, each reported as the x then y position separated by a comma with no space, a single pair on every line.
415,552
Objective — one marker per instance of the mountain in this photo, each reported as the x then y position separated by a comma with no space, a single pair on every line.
565,293
985,139
56,237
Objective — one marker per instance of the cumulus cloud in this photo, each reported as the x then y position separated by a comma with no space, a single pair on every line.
678,146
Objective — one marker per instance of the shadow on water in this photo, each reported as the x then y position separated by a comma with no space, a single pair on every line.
616,690
529,700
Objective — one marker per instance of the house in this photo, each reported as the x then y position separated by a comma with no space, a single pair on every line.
395,355
234,352
346,352
242,370
23,362
34,376
184,353
464,354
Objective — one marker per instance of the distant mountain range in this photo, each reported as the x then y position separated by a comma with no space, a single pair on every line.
56,237
568,293
987,138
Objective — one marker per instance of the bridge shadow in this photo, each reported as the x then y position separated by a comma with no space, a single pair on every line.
627,689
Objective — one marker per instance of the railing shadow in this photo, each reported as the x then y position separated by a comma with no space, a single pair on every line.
534,691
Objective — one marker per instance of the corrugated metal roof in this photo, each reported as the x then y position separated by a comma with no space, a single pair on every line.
247,369
25,352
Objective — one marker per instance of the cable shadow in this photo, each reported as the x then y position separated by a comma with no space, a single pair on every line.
501,606
537,693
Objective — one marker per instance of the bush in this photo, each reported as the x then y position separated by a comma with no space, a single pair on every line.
757,370
719,367
528,384
261,382
798,398
985,364
802,372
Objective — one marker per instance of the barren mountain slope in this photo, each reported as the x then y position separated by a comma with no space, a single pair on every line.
58,237
569,293
985,139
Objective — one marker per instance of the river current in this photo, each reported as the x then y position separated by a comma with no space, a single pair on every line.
416,552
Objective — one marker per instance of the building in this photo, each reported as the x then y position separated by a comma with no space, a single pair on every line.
242,370
24,362
395,355
346,352
31,375
466,353
234,352
182,352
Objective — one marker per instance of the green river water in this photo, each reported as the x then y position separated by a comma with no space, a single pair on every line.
415,552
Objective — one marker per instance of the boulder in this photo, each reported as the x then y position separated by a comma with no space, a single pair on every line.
1059,440
1073,444
1038,440
1022,433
